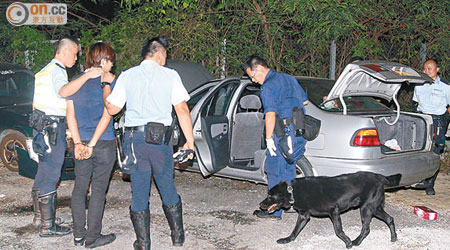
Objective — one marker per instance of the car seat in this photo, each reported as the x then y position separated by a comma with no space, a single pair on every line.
248,128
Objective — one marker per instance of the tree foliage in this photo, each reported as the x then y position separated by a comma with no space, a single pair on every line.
294,36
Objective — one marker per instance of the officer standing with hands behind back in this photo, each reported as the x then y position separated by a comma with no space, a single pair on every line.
150,90
433,99
281,94
49,123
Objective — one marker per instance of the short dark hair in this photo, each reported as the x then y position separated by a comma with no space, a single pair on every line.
97,52
253,61
432,60
153,44
65,42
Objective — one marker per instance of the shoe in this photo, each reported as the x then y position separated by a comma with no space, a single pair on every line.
263,215
79,242
100,241
430,191
174,215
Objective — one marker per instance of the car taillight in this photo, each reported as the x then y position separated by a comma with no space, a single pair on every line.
366,137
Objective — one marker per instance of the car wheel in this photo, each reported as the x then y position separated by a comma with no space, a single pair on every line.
8,154
303,168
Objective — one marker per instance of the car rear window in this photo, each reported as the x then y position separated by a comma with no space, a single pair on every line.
317,89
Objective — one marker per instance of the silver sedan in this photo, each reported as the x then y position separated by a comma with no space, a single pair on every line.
358,131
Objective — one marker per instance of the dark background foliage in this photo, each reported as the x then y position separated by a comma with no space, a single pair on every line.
294,36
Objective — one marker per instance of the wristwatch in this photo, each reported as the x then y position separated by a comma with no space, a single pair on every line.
103,84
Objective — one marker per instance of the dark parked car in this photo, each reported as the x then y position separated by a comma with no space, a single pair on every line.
16,97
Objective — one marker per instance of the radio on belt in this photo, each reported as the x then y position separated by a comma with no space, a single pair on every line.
424,212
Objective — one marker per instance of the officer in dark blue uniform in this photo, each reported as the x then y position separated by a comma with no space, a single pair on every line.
280,94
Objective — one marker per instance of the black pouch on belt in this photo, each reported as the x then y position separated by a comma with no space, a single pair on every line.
37,120
155,133
298,117
279,127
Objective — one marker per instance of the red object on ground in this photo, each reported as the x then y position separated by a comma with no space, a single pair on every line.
424,212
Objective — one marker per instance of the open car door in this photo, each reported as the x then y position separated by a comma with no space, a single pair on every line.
212,128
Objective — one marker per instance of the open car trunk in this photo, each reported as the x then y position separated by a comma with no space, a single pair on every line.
409,133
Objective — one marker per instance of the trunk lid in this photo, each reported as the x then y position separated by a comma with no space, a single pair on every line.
375,78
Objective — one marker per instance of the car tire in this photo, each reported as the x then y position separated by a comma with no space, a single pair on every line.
303,168
8,154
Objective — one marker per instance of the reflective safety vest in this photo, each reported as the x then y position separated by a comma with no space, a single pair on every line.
46,97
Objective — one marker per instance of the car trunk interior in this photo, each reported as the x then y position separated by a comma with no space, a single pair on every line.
408,133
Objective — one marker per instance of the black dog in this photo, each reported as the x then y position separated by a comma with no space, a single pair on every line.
331,196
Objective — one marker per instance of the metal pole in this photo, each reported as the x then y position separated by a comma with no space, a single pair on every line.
423,54
224,60
332,75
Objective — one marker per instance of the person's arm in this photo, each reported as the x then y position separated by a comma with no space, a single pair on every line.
72,124
270,124
111,108
99,130
115,100
185,121
73,86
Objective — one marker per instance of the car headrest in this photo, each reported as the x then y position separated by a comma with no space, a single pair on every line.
250,102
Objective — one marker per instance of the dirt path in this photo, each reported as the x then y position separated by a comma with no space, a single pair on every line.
218,215
408,198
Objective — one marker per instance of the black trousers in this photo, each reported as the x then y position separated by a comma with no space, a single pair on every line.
99,167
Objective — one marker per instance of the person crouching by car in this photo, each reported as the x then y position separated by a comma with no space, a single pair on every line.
48,120
150,90
281,95
94,149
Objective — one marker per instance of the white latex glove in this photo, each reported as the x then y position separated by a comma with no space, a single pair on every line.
271,146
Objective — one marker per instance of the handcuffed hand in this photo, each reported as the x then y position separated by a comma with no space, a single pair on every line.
88,152
271,146
79,151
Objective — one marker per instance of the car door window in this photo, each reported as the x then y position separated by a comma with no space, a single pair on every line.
17,84
219,102
195,98
24,84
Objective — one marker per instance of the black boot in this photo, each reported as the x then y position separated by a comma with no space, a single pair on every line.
429,183
37,212
141,224
48,228
174,215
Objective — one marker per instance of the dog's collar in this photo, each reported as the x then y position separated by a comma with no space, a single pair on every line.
290,190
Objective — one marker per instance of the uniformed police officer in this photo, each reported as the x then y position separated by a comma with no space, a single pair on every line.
433,99
149,91
51,87
280,94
